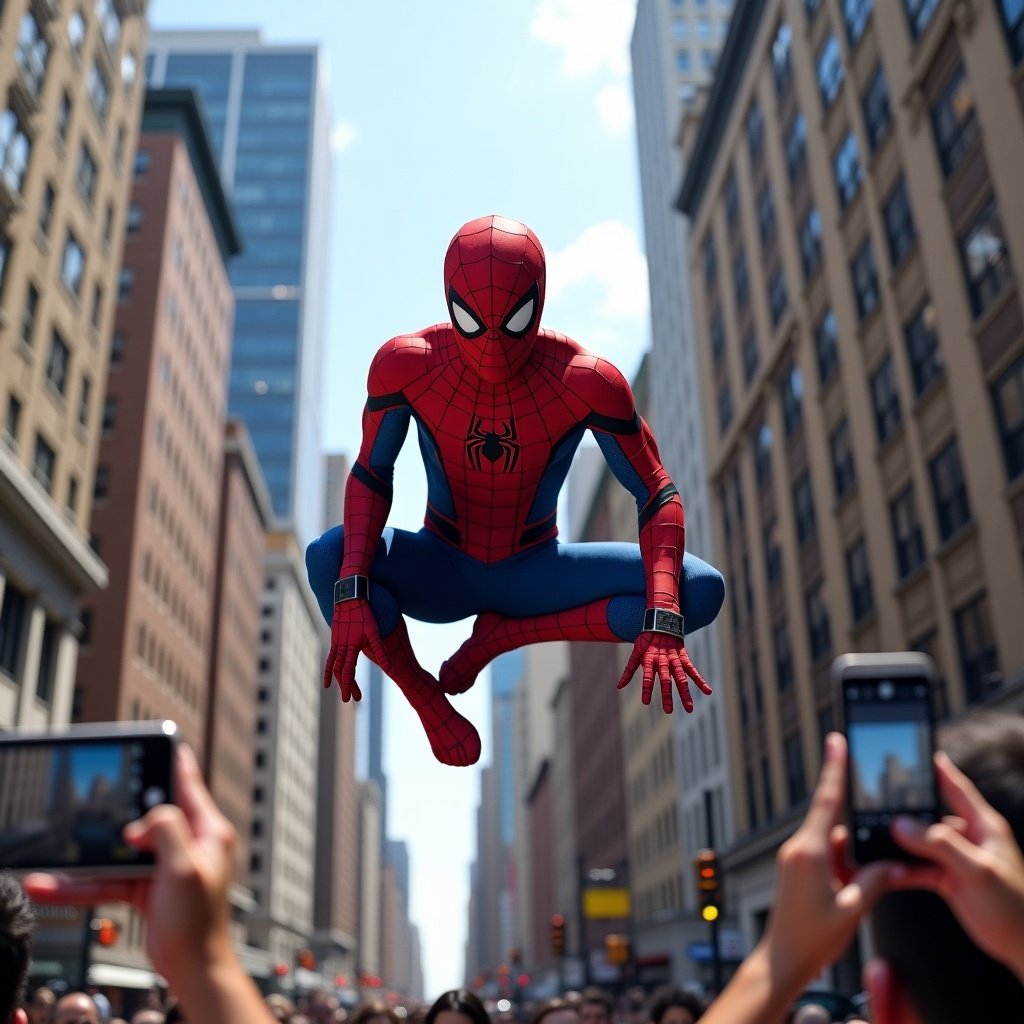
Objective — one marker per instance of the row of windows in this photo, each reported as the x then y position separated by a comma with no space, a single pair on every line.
168,670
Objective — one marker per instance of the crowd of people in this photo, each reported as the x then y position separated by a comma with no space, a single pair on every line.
947,927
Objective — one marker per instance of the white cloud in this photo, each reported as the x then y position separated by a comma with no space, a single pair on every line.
593,35
343,134
615,107
608,255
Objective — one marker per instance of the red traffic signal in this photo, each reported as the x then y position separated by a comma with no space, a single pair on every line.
557,935
105,931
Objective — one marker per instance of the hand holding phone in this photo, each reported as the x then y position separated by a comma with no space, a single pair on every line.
886,704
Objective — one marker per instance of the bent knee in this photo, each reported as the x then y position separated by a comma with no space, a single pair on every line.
705,595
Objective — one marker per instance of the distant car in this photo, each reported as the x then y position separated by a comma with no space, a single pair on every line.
839,1005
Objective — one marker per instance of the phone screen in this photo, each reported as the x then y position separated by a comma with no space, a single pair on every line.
889,729
64,802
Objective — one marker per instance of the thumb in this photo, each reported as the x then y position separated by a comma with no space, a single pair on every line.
163,832
861,893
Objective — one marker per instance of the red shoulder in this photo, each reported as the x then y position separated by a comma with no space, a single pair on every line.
400,360
600,383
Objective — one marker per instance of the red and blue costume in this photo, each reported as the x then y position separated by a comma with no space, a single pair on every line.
500,406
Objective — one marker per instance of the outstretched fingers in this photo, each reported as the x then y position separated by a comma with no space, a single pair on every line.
630,670
347,677
682,683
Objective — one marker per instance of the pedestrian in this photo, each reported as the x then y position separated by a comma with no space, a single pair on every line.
373,1011
556,1011
76,1008
674,1006
457,1006
40,1006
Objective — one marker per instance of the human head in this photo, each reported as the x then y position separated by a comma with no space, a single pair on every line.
494,287
148,1016
674,1006
16,924
556,1011
934,973
812,1013
281,1009
457,1006
595,1006
373,1011
40,1006
76,1008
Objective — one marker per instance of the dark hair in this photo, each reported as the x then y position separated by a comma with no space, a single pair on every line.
372,1008
459,1000
174,1015
599,996
665,998
16,924
552,1006
947,977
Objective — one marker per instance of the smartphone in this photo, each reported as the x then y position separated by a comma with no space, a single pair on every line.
886,706
67,794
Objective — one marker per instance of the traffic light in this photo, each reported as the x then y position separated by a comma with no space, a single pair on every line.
616,949
104,931
558,935
709,884
306,960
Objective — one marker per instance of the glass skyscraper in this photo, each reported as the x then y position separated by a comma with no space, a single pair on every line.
266,109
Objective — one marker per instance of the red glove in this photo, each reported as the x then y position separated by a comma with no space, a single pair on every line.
664,655
354,630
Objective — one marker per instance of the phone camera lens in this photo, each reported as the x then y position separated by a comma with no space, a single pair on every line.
886,691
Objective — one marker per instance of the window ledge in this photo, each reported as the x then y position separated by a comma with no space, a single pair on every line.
948,546
865,322
907,582
839,506
861,625
889,443
996,305
906,259
932,388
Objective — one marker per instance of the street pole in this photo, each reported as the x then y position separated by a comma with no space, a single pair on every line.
584,953
716,956
83,964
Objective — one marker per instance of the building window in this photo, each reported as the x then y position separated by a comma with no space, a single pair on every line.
782,62
865,280
133,222
796,148
783,658
755,133
803,510
792,393
923,347
709,58
72,264
12,421
858,574
906,532
830,71
796,781
979,657
848,170
117,345
811,8
875,104
919,15
826,346
63,117
777,296
717,338
32,53
899,223
750,354
14,151
99,92
819,629
724,406
955,121
683,62
1012,12
1008,401
855,17
109,414
844,474
87,175
763,455
985,260
12,629
740,280
142,161
885,399
43,462
76,32
766,214
952,506
129,70
810,243
46,210
47,672
772,560
710,263
125,284
84,401
28,315
57,363
732,199
110,23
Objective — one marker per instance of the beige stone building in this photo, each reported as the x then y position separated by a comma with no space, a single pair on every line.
856,225
72,96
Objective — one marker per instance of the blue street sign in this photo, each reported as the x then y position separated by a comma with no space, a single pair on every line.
701,952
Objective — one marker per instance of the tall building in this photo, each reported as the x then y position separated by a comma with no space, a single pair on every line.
370,885
72,101
284,800
146,648
856,215
674,49
268,114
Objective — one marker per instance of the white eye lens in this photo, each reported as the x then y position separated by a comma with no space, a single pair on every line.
521,320
466,321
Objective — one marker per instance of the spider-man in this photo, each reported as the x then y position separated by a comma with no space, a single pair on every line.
500,407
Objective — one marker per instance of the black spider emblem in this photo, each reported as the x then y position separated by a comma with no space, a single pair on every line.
493,446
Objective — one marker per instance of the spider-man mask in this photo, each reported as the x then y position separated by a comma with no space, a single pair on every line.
494,282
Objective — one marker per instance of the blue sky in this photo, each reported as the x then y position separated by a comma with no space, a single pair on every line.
442,112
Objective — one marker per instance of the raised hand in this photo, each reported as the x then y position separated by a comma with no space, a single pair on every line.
353,631
663,656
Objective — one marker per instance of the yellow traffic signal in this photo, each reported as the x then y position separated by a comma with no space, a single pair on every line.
709,912
709,884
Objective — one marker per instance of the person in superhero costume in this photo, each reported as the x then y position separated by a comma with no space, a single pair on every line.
500,406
